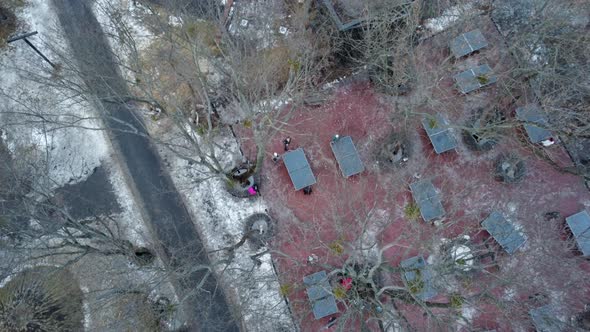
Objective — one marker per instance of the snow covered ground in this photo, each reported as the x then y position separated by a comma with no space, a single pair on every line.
220,217
36,124
67,152
450,17
37,118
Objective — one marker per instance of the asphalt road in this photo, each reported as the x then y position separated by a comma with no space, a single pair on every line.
170,223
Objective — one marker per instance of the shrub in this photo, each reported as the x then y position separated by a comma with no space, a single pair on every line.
417,285
482,79
456,301
412,211
432,123
247,123
339,292
336,247
286,289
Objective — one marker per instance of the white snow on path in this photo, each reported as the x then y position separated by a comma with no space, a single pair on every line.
68,154
130,220
220,218
450,17
130,15
64,154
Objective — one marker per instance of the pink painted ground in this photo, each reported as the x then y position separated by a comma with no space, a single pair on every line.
340,209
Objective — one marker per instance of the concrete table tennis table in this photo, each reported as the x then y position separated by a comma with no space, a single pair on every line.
579,224
347,156
475,78
320,294
468,43
427,199
298,169
503,232
535,122
437,129
418,276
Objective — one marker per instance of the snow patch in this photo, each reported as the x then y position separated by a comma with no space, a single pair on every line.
221,219
449,17
130,219
36,117
86,310
132,38
468,312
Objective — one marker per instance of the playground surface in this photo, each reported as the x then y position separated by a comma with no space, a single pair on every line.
373,206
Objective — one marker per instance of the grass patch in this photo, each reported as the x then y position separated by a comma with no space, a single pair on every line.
3,222
412,211
416,285
336,247
230,182
339,292
15,3
483,79
201,129
41,299
432,123
456,301
204,31
286,289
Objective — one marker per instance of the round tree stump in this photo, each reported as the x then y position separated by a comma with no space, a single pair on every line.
259,228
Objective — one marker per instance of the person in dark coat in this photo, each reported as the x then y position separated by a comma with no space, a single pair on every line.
286,143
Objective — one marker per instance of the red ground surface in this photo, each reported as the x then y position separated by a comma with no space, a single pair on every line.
339,209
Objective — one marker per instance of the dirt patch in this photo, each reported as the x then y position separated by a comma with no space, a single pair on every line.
143,256
394,151
510,169
8,23
481,131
